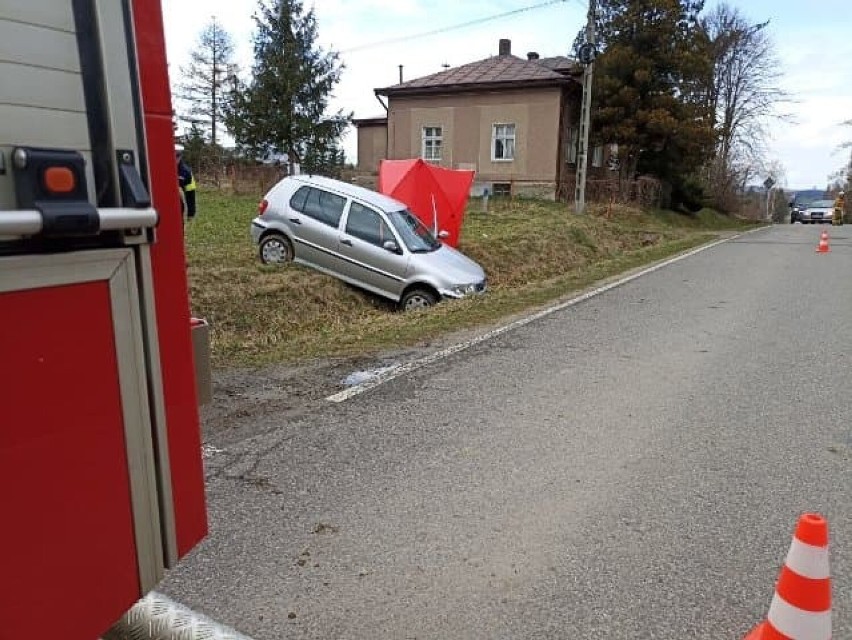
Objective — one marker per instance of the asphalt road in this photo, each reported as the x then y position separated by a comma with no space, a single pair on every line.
631,467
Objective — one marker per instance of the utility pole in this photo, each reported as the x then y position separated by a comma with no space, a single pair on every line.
587,57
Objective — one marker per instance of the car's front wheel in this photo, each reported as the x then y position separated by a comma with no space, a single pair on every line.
275,249
417,298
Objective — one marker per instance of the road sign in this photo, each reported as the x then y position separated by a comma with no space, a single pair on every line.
587,53
769,182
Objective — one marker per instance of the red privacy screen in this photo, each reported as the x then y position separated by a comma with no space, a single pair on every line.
429,191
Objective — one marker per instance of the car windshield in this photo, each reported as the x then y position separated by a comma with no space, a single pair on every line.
821,204
414,233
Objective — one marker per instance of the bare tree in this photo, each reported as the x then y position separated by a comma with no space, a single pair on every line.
776,200
206,80
744,94
843,176
848,173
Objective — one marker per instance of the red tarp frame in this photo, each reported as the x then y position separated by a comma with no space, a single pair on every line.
426,188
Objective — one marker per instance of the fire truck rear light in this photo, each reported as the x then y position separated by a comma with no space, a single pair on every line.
262,206
59,180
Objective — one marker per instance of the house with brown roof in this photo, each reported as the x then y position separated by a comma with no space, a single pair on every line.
515,121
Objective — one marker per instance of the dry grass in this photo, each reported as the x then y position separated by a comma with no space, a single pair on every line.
532,252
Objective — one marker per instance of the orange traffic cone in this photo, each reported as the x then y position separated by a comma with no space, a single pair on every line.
801,606
823,243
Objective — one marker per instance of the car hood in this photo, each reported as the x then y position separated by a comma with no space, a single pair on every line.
450,265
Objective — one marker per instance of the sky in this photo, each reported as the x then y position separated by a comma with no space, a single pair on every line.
811,39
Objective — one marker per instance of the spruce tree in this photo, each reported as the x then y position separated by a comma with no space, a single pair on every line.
650,93
283,108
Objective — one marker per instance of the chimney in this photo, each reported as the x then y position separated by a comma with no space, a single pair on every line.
400,74
505,47
532,55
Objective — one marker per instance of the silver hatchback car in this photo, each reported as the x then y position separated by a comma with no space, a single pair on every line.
817,212
364,238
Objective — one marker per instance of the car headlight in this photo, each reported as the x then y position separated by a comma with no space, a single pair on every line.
464,289
461,290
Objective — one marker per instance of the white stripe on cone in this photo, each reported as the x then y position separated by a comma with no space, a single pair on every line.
798,624
808,561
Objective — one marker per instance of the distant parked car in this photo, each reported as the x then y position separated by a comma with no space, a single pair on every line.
817,212
363,238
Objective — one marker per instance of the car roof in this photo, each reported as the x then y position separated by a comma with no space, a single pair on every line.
378,200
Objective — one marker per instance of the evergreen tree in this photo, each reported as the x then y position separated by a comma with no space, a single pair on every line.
206,79
195,147
650,93
283,108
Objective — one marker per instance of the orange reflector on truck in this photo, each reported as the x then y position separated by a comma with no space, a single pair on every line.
59,180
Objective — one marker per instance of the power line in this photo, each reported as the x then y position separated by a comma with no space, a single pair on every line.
463,25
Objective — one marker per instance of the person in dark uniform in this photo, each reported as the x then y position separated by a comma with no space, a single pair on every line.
186,181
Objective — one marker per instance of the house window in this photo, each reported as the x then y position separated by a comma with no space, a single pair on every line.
433,140
503,142
502,189
597,156
573,142
613,163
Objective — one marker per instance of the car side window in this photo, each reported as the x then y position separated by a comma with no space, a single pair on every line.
367,225
297,202
321,205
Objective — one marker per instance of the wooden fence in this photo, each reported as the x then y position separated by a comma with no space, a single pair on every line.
643,192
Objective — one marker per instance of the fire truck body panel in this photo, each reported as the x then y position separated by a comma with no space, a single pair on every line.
100,448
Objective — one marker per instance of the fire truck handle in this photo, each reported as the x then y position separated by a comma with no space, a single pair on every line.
29,222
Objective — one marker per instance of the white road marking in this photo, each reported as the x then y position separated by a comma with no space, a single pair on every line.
408,367
208,451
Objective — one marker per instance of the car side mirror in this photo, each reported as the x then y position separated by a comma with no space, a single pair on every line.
390,245
443,235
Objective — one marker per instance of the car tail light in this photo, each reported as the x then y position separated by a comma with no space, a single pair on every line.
262,206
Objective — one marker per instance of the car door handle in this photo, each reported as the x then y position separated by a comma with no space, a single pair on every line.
346,241
295,221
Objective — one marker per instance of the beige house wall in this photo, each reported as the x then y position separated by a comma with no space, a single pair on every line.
467,121
372,146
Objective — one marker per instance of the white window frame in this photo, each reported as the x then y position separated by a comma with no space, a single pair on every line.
598,156
573,145
513,137
427,134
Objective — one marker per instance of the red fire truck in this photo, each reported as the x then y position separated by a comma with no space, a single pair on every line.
101,479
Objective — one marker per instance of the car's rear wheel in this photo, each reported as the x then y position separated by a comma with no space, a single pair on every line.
275,249
417,298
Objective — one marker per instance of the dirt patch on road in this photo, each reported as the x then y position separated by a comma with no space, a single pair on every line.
250,401
243,396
